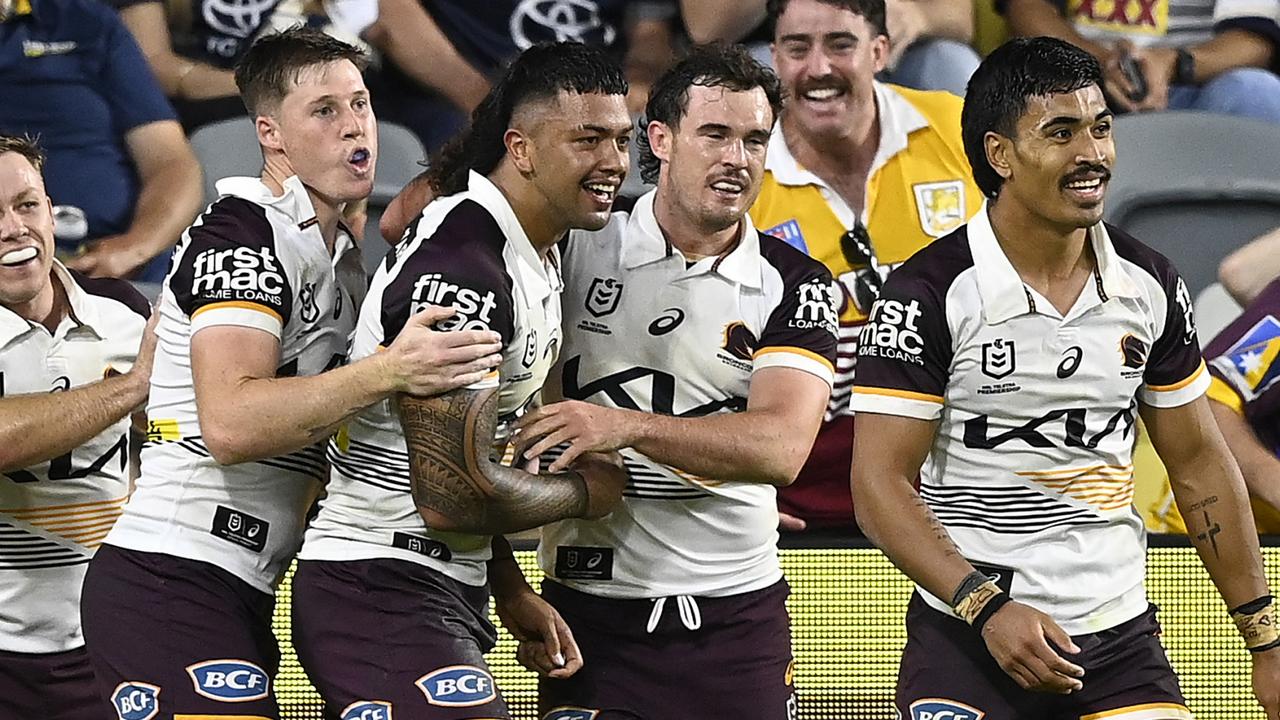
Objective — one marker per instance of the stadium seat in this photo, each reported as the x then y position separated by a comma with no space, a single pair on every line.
1195,186
230,147
1214,310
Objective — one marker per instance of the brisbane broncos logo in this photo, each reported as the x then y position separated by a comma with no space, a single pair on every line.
1134,351
738,341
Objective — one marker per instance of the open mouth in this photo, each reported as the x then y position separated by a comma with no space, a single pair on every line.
603,192
1087,188
823,94
729,188
19,257
361,160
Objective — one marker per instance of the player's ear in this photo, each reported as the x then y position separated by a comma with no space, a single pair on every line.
660,135
999,151
268,132
519,149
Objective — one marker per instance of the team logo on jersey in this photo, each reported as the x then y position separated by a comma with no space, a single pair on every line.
229,680
940,206
739,341
815,307
577,20
571,713
241,273
458,686
136,701
1133,351
307,300
603,296
789,233
530,349
893,331
1251,362
669,320
474,309
939,709
367,710
999,359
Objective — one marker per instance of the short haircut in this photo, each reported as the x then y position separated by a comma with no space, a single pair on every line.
727,66
272,65
539,73
872,10
26,146
1004,83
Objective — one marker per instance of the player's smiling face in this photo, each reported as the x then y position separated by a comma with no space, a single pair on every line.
577,154
826,58
713,161
26,232
327,130
1060,161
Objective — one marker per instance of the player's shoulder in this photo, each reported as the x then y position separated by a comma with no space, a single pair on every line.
1141,256
937,265
233,221
113,292
458,224
791,263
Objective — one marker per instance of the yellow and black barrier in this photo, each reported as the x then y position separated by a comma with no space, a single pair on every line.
847,605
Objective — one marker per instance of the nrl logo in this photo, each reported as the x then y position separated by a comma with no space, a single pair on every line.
603,296
998,359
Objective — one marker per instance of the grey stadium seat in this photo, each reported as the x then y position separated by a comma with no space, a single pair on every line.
1195,186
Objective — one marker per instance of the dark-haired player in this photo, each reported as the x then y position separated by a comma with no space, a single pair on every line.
255,318
704,351
1005,365
63,442
391,592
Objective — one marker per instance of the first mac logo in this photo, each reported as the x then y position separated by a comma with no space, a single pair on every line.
136,701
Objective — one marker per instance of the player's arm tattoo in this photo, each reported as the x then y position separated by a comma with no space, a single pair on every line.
457,485
1201,523
935,526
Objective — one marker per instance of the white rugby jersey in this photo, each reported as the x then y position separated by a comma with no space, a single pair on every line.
252,260
55,514
466,251
646,330
1031,470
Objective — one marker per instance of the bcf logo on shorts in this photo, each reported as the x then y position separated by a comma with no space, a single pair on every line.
136,701
458,686
938,709
367,710
229,680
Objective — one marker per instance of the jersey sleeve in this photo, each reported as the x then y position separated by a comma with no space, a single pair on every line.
457,264
1244,359
229,271
1175,373
904,352
801,332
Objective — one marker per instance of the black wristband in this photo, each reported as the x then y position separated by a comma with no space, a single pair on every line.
967,585
1262,648
1184,69
988,610
1253,606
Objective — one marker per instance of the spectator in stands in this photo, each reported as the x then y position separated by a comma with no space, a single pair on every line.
860,175
117,158
928,39
1186,54
1245,272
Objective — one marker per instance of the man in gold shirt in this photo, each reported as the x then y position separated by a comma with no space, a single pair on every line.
860,175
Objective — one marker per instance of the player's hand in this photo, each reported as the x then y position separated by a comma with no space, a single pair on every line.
584,426
1018,637
140,373
1266,681
423,362
606,478
118,256
791,523
546,645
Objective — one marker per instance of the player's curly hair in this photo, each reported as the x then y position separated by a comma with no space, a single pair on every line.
270,67
872,10
538,73
714,65
1003,84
